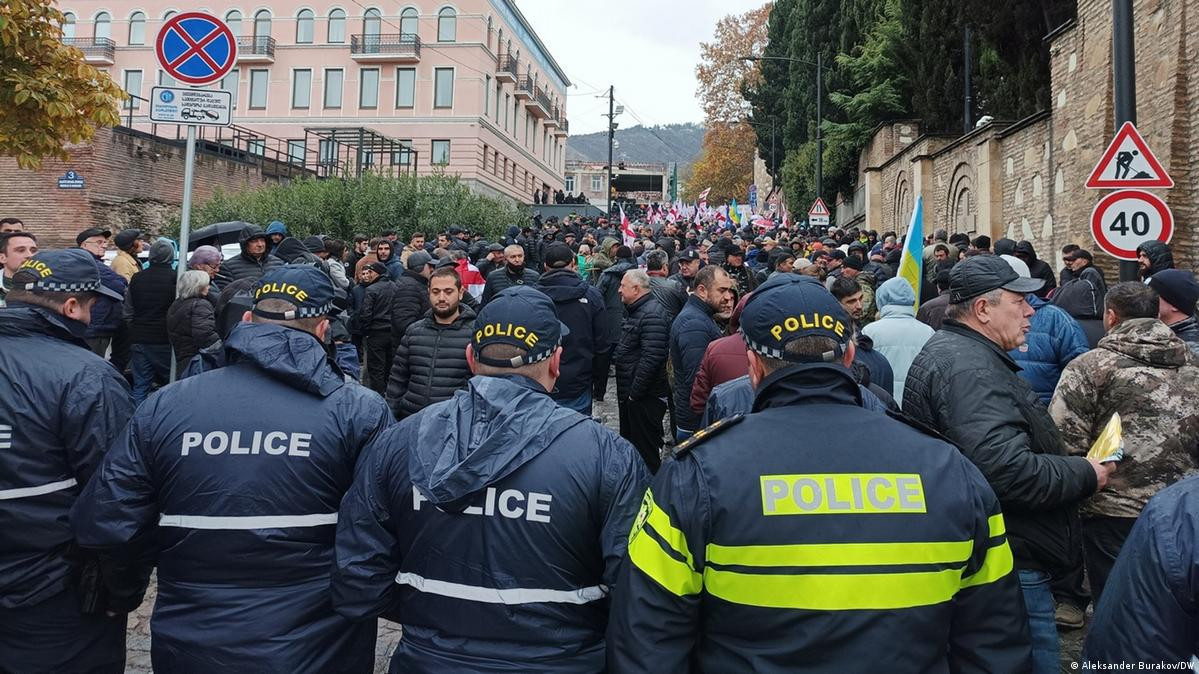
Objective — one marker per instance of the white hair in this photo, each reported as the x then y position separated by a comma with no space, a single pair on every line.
192,284
638,277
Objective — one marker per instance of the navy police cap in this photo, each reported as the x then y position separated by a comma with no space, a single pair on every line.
790,306
305,286
519,316
73,270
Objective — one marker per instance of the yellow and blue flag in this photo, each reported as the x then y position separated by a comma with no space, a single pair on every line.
911,264
734,216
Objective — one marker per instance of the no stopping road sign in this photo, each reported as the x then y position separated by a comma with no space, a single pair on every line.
196,48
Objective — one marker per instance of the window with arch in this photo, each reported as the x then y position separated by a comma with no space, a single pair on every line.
408,19
233,18
304,26
103,26
262,23
489,32
372,22
447,25
337,26
137,28
68,26
166,16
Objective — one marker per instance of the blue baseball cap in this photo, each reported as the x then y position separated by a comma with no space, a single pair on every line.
790,306
73,270
303,285
518,316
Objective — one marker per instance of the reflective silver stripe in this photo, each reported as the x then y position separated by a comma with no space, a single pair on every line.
243,523
26,492
491,595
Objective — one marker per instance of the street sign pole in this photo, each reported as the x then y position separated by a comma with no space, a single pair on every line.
185,218
1124,76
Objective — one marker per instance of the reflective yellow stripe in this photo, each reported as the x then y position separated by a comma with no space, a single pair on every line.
841,554
996,525
834,592
996,565
660,521
647,554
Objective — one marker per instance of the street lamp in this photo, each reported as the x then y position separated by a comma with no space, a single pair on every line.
819,65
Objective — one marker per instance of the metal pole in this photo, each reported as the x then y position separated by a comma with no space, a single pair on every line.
1124,83
773,166
186,216
819,120
968,104
611,137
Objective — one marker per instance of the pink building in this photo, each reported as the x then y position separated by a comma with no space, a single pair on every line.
468,86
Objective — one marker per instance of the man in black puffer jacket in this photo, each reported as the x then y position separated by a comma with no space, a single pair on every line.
150,295
513,273
640,358
254,260
411,300
430,362
586,350
373,320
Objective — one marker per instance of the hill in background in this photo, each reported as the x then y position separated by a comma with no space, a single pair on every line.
667,143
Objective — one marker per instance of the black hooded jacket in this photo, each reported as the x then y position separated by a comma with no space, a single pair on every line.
245,265
1038,268
581,307
409,302
1160,257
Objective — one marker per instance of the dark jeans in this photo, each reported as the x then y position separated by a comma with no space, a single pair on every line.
641,424
1068,587
1038,605
379,355
54,636
581,404
150,362
1102,539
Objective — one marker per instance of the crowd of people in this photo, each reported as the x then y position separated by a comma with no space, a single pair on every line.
311,434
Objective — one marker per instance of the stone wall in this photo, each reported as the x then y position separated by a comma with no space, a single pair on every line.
1025,179
131,179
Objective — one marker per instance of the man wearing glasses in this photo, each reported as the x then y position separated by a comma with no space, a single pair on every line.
106,314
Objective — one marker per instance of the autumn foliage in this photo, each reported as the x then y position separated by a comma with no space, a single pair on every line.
725,163
49,96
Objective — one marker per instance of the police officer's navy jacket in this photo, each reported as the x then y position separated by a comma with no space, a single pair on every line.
816,535
242,470
61,408
492,526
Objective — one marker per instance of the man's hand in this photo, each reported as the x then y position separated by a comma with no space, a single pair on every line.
1103,471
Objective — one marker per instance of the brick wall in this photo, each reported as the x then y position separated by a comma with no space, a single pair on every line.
131,179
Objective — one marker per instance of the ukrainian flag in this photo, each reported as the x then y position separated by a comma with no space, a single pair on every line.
734,216
911,264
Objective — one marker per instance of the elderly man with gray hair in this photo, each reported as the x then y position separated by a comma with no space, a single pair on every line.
640,358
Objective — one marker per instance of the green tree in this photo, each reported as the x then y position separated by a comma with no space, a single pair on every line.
49,96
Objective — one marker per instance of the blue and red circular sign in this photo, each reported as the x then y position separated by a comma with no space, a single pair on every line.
196,48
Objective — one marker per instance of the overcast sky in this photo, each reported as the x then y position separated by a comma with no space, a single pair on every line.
647,49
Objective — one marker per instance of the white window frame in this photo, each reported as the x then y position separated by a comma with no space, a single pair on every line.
310,20
133,103
437,91
340,89
96,23
411,89
362,88
597,183
234,77
433,151
335,20
141,23
570,184
296,90
453,29
292,145
266,88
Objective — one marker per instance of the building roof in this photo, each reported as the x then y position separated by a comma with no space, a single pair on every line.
509,10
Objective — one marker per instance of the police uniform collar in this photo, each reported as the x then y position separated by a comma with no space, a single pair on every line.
521,381
292,356
808,384
958,328
52,323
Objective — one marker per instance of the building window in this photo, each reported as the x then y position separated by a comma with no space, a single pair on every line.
337,26
486,94
486,151
443,87
103,27
166,16
333,82
258,83
570,183
133,85
402,156
233,19
498,88
507,97
262,23
405,87
296,150
68,26
229,83
447,25
372,22
256,146
441,152
301,88
304,30
165,79
368,88
137,28
597,183
408,19
326,153
489,32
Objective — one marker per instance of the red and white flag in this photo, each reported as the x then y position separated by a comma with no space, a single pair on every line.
472,280
626,230
703,198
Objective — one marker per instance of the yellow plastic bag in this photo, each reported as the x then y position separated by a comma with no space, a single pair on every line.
1109,446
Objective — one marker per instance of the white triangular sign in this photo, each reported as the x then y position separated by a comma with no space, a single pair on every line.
1128,163
818,208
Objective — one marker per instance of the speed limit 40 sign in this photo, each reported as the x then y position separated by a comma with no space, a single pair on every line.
1124,220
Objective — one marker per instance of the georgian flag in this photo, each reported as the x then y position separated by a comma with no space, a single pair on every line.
472,280
626,230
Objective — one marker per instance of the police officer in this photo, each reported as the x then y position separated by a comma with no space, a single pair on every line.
61,408
239,473
791,538
493,523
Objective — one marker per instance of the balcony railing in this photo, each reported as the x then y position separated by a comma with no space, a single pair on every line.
540,105
507,68
524,88
397,46
93,48
256,47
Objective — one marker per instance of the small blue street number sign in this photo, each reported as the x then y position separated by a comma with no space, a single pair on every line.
70,181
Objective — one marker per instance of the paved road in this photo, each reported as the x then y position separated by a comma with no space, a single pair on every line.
138,642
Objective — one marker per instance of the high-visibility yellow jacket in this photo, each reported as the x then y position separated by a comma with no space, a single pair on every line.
815,535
